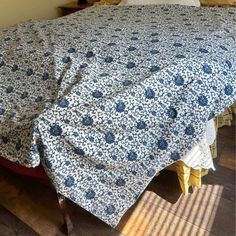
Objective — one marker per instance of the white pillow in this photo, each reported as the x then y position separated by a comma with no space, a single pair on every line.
195,3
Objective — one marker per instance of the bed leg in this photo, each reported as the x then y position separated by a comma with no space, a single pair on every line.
67,226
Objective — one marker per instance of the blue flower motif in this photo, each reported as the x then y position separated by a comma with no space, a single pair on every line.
14,68
9,89
151,157
67,163
110,137
223,47
104,74
141,124
7,39
154,34
84,65
131,48
29,72
155,68
203,50
132,156
228,89
90,194
87,120
71,50
120,182
46,54
66,59
100,166
178,45
162,144
154,51
79,151
207,69
45,76
199,39
18,145
172,113
189,130
38,99
110,209
179,56
229,64
199,81
149,93
63,103
2,63
155,40
175,156
78,93
127,82
202,100
97,94
120,107
151,172
59,81
130,138
111,44
130,65
226,30
4,139
134,38
89,54
69,181
102,107
179,80
55,130
24,95
108,59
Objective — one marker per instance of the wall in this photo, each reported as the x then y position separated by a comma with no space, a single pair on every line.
15,11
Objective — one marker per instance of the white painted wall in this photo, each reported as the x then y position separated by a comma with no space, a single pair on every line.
16,11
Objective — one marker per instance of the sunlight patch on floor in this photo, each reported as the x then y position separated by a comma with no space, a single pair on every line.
192,214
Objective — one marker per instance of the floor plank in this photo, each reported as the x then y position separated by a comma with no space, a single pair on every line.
31,206
11,225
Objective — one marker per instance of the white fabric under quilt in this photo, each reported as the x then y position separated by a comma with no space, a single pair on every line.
200,155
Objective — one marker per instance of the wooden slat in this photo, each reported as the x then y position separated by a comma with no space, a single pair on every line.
148,219
6,231
227,158
28,207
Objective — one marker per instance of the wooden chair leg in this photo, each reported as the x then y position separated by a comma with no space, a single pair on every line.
67,226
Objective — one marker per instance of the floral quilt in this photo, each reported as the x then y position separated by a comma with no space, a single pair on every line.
106,97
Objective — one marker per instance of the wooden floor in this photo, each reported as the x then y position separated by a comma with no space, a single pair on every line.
160,211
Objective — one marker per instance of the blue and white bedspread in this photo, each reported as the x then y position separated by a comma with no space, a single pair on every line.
106,97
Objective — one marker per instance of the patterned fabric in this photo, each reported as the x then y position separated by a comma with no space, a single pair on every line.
107,97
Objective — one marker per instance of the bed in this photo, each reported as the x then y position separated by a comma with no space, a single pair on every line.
104,112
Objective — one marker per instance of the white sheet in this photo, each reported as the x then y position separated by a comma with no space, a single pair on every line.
200,156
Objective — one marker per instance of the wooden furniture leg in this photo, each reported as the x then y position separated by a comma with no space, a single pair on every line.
67,226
